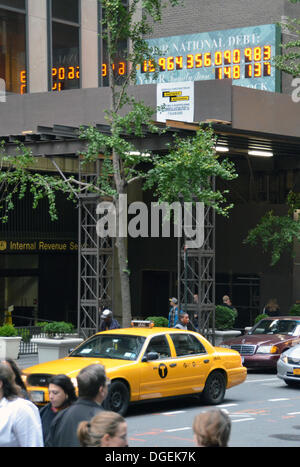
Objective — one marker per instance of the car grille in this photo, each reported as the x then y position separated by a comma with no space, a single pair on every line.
290,373
294,361
39,380
244,349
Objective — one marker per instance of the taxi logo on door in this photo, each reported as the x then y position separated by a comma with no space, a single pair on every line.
162,370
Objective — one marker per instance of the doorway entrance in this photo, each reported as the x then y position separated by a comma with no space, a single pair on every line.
244,291
157,288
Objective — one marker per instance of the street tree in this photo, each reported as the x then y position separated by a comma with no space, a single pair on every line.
186,171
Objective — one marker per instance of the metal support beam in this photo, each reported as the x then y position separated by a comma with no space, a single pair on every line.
95,262
196,278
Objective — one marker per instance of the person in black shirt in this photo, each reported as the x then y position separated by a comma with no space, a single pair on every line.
61,395
92,389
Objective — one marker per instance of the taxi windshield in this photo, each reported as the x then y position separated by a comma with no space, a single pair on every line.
111,346
277,326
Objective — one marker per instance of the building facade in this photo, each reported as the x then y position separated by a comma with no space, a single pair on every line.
54,73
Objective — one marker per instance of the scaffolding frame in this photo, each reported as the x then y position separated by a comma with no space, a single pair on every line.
95,259
196,278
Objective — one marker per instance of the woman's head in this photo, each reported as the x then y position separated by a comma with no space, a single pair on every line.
212,429
61,391
8,387
106,429
17,372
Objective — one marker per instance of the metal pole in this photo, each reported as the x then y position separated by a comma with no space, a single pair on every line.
185,277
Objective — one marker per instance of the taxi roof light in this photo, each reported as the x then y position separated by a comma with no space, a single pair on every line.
141,324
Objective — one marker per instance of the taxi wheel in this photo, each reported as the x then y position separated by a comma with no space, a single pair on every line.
214,390
117,399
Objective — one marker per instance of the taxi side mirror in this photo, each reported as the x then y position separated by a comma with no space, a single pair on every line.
150,356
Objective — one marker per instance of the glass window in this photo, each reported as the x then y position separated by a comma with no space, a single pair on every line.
65,73
65,58
67,10
113,346
13,3
13,51
276,326
159,344
186,344
120,64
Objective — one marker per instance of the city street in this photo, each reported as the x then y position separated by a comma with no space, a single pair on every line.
264,411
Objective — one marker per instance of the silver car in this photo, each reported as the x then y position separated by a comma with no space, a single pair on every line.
288,365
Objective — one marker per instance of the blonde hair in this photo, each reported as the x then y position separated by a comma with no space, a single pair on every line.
212,429
91,433
272,304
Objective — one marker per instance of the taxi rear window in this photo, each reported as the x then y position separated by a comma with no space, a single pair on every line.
186,344
111,346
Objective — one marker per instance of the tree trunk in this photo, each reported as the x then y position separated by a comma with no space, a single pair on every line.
124,281
121,244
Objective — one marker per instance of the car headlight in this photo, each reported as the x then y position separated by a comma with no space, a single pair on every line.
225,346
284,358
267,349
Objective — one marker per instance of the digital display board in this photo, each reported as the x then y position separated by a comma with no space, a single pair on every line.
242,54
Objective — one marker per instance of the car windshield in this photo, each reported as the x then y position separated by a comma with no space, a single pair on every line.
110,346
277,326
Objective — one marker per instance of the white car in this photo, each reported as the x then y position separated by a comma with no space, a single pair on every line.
288,366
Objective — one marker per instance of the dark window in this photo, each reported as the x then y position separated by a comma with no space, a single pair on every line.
65,72
186,344
20,4
13,51
120,64
160,345
65,61
67,10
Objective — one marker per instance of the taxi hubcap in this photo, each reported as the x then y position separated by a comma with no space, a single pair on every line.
116,399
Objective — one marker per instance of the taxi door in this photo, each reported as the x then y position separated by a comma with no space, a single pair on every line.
193,363
157,376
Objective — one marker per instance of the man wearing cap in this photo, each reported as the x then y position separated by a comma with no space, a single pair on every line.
173,314
107,321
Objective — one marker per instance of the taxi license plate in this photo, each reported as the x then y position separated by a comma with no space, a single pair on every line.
296,371
37,396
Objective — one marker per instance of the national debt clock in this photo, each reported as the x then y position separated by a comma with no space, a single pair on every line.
244,55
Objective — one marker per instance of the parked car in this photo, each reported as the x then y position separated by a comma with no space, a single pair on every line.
288,366
262,346
146,363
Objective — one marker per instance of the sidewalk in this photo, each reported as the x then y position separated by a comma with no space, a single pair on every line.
24,361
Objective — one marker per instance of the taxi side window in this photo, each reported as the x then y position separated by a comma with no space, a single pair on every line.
186,344
160,345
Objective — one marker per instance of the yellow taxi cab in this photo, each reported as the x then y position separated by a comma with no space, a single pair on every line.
146,363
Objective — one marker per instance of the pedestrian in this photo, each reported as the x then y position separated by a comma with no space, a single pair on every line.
174,312
107,321
272,308
92,390
227,302
212,428
106,429
20,422
183,321
18,376
196,302
61,395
